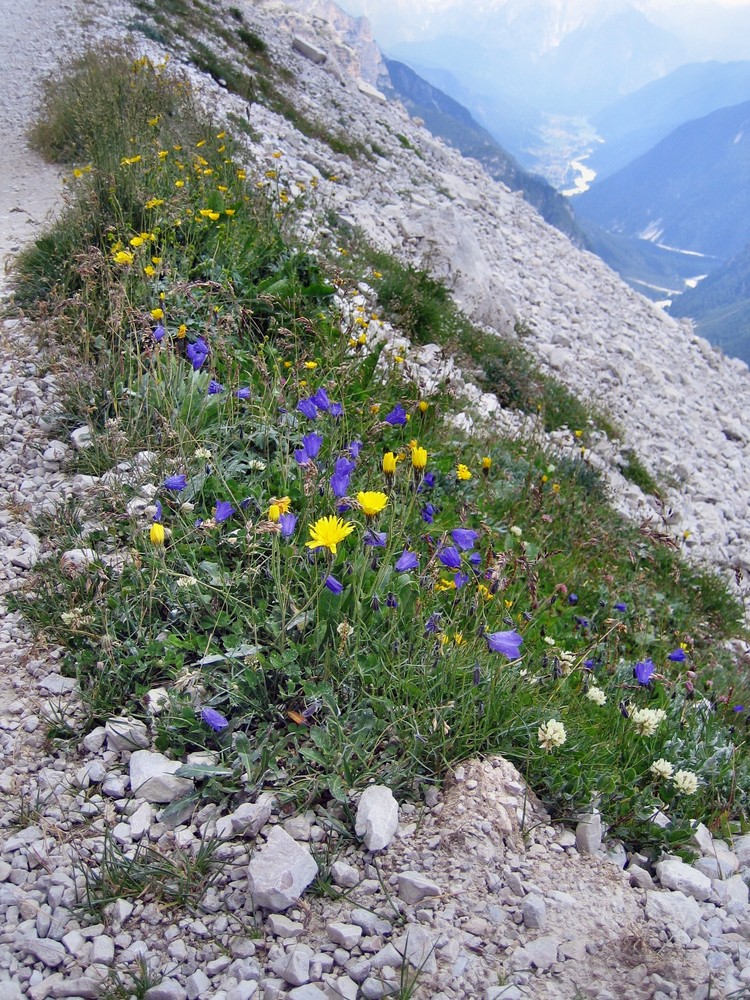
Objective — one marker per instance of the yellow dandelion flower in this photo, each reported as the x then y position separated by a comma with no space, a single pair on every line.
221,135
419,458
458,638
181,331
555,487
77,172
157,313
423,406
361,339
463,472
283,503
377,274
277,155
154,120
241,175
128,161
375,409
163,154
486,464
327,532
222,187
154,202
137,241
389,463
201,143
229,211
372,502
157,533
156,260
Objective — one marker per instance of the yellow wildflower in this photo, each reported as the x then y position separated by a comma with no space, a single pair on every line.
123,257
327,532
419,458
372,502
157,533
423,406
157,313
462,472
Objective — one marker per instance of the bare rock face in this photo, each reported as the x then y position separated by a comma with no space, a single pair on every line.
280,871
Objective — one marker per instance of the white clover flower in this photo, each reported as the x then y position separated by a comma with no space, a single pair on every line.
596,695
187,581
646,720
515,530
203,453
661,769
567,659
256,465
686,782
551,734
549,640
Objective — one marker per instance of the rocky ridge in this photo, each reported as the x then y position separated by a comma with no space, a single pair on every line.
456,893
677,399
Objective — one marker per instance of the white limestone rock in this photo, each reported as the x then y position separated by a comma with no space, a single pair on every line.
308,50
126,734
377,817
675,874
153,778
673,910
589,834
280,871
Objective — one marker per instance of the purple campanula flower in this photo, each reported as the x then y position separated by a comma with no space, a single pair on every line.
391,601
310,447
460,580
507,643
159,333
428,481
572,598
428,513
407,561
336,409
342,508
397,416
589,664
355,448
375,603
340,478
176,483
224,511
475,558
432,625
287,523
333,585
157,513
644,671
197,353
376,539
476,678
308,409
620,606
214,719
464,538
214,387
320,398
738,708
450,557
677,655
243,392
